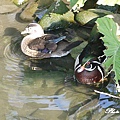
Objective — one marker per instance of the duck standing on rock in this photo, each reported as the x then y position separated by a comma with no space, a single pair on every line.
36,44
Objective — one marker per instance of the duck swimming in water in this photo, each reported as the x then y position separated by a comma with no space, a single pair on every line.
90,72
37,44
88,65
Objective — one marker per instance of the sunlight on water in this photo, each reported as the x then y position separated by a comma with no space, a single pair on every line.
15,70
56,102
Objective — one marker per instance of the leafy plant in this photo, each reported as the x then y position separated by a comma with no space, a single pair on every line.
105,25
108,28
77,4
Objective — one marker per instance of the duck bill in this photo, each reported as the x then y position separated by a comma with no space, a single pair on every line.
24,32
82,68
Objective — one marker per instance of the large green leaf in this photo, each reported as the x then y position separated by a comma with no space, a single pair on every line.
108,28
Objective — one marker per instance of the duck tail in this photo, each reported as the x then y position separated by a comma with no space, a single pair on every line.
72,45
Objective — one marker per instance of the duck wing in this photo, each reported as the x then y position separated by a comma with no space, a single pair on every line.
56,40
52,44
37,44
45,43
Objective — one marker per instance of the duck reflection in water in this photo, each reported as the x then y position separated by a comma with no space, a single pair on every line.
62,63
37,45
53,64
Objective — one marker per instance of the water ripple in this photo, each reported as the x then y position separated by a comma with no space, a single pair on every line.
14,70
55,102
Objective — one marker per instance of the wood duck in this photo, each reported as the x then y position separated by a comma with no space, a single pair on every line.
88,69
36,44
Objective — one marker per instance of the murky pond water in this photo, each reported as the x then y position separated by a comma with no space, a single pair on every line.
28,94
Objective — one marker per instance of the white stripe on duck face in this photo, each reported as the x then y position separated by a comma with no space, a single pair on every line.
96,62
101,72
79,69
77,64
91,68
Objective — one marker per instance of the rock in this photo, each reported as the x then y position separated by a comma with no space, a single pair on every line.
27,14
88,17
43,3
56,21
7,6
7,9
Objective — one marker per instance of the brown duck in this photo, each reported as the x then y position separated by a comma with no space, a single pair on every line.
36,44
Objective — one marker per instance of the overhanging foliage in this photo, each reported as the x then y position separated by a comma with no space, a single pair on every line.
108,28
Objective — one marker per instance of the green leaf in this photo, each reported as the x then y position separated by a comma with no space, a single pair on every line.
107,64
73,2
58,7
116,66
108,2
108,28
77,4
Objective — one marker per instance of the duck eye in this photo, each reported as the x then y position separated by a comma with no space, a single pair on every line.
88,65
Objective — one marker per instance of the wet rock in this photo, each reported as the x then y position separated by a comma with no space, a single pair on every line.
57,16
43,3
88,17
30,10
7,7
56,21
27,14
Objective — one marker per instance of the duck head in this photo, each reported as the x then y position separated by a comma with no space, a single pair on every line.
33,29
88,70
